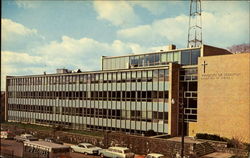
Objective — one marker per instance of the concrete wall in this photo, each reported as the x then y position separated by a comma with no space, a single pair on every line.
173,94
223,96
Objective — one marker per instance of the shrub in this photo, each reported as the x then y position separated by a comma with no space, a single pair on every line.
210,137
150,133
247,147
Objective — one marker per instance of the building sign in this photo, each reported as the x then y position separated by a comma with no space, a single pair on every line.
217,75
220,76
204,66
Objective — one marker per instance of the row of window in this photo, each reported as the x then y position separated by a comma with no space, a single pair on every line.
31,108
149,116
185,57
79,126
134,76
95,95
188,79
154,59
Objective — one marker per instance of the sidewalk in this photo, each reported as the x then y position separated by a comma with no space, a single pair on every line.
217,155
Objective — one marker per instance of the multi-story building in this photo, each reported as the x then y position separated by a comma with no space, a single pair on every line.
132,93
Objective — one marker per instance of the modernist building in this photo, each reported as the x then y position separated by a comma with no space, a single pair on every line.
133,93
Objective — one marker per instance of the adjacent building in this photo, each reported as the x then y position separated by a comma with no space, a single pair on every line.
224,96
132,93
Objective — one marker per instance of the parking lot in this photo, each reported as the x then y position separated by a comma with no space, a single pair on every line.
9,146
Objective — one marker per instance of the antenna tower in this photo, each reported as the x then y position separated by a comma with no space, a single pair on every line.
195,29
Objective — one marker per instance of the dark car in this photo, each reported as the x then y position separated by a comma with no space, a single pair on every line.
52,140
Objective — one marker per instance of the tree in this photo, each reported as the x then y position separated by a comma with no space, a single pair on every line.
240,48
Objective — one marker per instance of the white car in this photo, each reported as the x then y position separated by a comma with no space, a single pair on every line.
85,148
25,137
115,152
154,155
7,135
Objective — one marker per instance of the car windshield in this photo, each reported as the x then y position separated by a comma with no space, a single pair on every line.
127,151
90,146
30,137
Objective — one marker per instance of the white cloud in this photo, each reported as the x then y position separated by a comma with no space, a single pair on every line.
17,37
156,8
220,28
11,28
227,29
15,63
19,58
169,30
119,13
84,53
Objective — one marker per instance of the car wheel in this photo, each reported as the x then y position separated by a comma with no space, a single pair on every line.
85,153
72,150
102,155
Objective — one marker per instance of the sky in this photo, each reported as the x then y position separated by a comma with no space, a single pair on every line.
41,36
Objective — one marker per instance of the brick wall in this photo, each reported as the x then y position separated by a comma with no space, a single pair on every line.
143,145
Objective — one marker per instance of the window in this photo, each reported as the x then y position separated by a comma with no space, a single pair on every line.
177,57
164,58
170,57
185,57
195,54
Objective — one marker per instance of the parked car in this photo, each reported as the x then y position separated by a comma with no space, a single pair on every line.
25,137
115,152
86,148
7,135
154,155
52,140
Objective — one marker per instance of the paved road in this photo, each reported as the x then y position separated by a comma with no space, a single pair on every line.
13,146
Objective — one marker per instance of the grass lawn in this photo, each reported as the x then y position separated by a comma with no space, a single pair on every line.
46,128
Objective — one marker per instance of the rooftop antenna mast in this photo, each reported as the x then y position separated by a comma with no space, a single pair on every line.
195,27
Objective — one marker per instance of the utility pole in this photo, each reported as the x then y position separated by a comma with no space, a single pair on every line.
195,25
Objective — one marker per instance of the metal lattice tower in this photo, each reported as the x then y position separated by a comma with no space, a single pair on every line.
195,27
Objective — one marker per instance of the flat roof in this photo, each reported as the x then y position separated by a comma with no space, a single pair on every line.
92,72
164,51
119,148
101,71
45,144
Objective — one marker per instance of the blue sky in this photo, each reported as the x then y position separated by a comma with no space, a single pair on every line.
40,36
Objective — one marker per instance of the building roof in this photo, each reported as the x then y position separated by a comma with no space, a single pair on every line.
85,144
155,154
118,148
44,144
164,51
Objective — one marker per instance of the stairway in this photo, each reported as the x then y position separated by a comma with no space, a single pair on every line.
203,148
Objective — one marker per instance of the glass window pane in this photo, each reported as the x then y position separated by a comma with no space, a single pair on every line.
157,59
141,61
185,57
170,57
163,57
152,59
177,57
113,63
195,55
150,73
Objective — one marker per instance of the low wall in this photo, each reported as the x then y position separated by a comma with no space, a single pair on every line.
222,147
144,145
138,144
